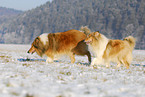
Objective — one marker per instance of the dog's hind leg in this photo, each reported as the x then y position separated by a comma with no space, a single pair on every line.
118,64
72,57
125,63
89,56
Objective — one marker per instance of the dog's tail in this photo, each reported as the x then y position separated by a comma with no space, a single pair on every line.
86,30
131,40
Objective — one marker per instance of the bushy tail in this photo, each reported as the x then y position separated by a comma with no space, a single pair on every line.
86,30
131,40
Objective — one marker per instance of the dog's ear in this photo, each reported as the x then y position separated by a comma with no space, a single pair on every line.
51,34
37,40
96,34
125,39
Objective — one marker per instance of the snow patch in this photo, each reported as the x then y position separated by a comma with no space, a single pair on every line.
63,79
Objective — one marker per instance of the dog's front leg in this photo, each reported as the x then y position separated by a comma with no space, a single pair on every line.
93,62
49,60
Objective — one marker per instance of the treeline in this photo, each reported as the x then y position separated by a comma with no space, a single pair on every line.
114,18
6,13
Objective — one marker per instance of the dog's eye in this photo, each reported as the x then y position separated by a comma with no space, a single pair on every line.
124,39
35,46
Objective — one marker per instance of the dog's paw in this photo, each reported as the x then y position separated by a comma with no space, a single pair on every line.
49,60
107,66
95,67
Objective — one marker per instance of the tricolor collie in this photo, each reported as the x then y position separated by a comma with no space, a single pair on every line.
106,50
54,44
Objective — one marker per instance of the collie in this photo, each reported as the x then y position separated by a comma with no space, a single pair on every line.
55,44
106,50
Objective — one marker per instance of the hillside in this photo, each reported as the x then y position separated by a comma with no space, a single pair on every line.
115,19
6,13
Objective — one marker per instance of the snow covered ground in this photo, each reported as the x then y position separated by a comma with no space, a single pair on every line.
63,79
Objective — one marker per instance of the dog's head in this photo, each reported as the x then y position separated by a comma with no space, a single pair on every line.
39,45
131,40
91,37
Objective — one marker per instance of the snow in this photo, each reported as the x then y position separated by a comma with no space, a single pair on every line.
63,79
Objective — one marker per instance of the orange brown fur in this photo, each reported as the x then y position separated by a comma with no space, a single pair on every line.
106,51
69,43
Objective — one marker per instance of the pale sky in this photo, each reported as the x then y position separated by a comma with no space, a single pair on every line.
22,4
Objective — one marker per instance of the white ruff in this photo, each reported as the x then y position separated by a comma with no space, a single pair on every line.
102,46
44,38
98,50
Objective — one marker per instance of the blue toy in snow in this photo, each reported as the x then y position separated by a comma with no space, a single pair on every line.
23,60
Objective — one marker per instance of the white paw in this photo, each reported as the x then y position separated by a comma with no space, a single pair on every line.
49,60
118,65
92,64
107,66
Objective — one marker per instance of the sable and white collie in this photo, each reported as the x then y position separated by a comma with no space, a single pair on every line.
107,50
55,44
